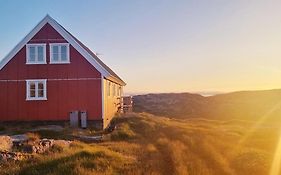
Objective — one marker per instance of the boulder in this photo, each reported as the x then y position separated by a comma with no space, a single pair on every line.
6,143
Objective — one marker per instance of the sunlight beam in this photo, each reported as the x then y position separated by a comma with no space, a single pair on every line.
275,166
258,124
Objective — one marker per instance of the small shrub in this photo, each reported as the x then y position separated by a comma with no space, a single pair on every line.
56,148
123,133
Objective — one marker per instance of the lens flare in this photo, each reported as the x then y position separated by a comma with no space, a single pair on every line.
258,124
275,166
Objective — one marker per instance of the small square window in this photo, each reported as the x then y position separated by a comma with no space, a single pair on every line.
36,90
36,54
59,53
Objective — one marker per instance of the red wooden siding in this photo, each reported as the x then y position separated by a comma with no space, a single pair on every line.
63,96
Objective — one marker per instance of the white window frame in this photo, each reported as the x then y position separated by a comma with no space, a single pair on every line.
36,53
36,81
59,51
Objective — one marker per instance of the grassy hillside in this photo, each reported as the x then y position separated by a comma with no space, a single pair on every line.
146,144
178,105
248,105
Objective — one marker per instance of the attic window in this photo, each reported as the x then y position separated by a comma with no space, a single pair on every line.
36,54
59,53
36,89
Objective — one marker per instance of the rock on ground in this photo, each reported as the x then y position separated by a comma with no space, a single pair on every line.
6,156
6,143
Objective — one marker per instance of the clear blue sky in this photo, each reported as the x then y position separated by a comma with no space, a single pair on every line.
165,45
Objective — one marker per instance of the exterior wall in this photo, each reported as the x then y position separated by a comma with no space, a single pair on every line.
74,86
111,103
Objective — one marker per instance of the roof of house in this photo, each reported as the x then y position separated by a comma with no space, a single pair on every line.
90,56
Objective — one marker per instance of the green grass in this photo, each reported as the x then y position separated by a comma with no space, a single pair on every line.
80,158
146,144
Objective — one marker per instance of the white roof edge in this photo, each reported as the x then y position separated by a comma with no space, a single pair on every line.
18,47
77,46
112,78
65,35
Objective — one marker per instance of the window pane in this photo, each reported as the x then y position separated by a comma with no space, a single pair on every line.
32,90
55,53
63,53
63,49
40,93
31,53
40,89
56,49
55,57
32,93
40,53
32,86
40,85
63,57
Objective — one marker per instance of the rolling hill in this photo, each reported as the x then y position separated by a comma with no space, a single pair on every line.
244,105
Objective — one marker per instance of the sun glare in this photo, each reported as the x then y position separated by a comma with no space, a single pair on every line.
258,124
275,166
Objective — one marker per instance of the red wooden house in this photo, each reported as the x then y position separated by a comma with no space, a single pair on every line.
51,73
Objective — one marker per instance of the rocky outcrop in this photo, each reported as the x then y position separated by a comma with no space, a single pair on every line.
19,147
15,156
43,145
6,143
40,147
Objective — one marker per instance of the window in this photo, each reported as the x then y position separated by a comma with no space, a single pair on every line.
119,91
59,53
113,90
36,89
36,54
108,88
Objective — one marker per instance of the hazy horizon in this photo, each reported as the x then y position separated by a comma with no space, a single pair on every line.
167,46
203,93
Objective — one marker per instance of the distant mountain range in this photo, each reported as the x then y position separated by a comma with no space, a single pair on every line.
243,105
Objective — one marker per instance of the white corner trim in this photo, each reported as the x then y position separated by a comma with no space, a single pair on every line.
28,98
102,97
